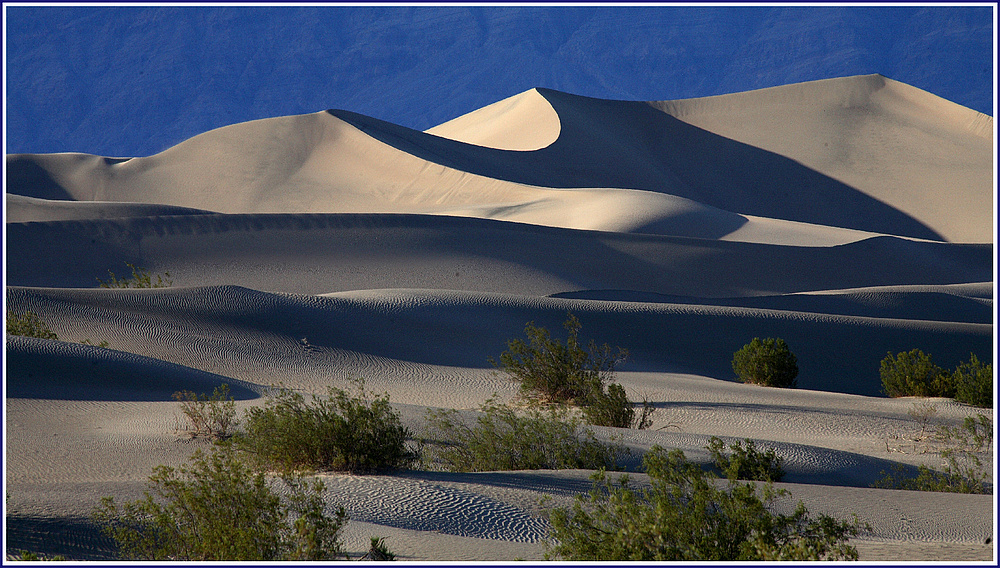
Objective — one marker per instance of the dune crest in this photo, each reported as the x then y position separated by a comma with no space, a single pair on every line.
522,122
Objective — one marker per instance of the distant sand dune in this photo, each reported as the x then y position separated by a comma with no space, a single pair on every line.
851,217
877,176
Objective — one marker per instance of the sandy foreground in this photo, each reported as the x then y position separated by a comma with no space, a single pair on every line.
851,217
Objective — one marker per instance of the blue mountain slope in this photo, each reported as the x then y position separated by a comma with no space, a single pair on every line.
133,81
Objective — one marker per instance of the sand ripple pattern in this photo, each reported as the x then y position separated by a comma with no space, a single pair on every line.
423,506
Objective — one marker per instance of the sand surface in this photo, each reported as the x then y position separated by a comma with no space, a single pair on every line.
851,217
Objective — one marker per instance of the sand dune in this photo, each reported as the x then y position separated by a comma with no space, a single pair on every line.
851,217
463,329
523,122
338,161
328,253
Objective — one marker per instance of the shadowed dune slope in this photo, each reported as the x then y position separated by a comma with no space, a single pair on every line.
48,369
958,303
328,253
21,209
206,327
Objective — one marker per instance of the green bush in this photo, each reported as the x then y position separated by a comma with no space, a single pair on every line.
140,278
913,374
26,556
550,371
503,440
974,383
219,509
766,362
360,433
378,551
212,416
684,515
963,470
745,462
28,324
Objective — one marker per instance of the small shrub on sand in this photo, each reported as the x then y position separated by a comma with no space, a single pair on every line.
27,556
964,468
914,374
684,515
211,416
141,278
219,509
747,462
355,433
973,382
766,362
378,551
550,371
28,324
502,439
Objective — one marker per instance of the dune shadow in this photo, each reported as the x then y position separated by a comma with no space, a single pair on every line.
74,538
57,370
554,483
26,177
913,305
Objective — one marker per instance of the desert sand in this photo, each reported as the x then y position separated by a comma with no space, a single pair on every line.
851,217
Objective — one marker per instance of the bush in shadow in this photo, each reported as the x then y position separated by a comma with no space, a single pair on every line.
745,462
550,371
141,278
28,324
378,551
684,515
766,362
219,509
502,439
354,433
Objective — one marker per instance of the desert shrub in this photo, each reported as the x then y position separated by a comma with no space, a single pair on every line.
685,515
28,324
766,362
141,278
356,433
914,374
550,371
963,469
973,382
27,556
102,343
212,416
745,462
611,407
502,439
219,509
378,551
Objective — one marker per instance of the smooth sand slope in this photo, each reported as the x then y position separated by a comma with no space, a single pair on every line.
851,217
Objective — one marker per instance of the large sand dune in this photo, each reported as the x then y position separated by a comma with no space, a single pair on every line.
851,217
